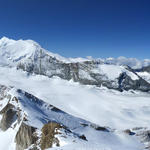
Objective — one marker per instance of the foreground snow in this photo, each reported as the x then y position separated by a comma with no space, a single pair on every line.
37,113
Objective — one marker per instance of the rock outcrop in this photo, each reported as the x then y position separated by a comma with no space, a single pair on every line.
9,116
48,138
25,137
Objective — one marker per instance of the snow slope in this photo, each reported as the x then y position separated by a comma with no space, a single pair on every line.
114,71
144,75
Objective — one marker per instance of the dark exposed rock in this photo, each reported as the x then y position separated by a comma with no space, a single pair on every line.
147,147
129,132
9,116
84,125
99,128
34,148
139,128
25,137
83,137
126,83
15,99
48,135
144,135
56,109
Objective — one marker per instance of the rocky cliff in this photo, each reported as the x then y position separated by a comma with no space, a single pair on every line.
88,73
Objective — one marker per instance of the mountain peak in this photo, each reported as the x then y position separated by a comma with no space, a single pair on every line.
12,51
4,38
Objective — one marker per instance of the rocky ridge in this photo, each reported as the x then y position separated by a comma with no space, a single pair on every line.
37,131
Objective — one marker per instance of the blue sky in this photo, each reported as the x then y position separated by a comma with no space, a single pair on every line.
73,28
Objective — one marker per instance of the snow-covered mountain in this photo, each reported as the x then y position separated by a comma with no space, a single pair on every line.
29,56
43,97
13,51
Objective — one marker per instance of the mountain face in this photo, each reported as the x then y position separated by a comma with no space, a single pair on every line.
144,72
88,73
43,97
29,56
